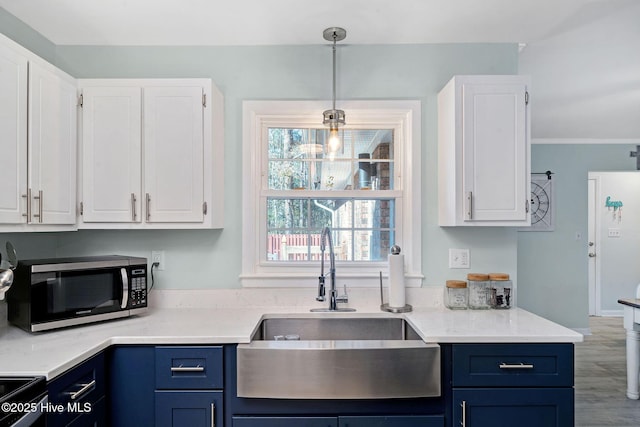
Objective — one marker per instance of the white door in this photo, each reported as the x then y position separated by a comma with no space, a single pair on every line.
616,206
173,144
111,154
52,147
594,294
495,147
13,136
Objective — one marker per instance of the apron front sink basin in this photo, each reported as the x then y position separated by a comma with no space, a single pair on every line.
337,358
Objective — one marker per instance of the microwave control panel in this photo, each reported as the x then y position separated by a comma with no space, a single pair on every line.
138,287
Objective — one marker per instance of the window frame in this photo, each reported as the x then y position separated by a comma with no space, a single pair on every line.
403,116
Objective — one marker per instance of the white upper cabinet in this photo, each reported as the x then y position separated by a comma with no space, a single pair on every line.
484,151
174,154
152,153
111,154
13,132
52,147
38,143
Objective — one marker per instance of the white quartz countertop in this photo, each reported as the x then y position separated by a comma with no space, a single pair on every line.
51,353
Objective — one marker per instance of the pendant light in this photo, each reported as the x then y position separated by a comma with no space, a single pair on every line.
334,118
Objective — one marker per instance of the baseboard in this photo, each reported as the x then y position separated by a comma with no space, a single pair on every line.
612,313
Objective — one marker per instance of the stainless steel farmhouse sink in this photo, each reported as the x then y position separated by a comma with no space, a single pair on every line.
337,358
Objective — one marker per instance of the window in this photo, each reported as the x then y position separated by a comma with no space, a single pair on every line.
367,191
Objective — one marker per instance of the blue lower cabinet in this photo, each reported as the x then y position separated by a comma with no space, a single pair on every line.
341,421
131,391
96,416
241,421
507,407
78,391
193,408
393,421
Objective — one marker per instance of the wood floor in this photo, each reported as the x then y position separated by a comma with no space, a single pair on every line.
601,378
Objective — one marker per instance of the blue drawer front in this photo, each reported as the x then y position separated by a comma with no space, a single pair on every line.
393,421
189,368
239,421
513,365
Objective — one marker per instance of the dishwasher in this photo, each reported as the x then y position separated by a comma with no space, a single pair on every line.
23,401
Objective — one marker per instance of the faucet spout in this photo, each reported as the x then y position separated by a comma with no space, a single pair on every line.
325,238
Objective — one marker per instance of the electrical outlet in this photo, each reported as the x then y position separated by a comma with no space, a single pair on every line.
614,232
158,257
458,258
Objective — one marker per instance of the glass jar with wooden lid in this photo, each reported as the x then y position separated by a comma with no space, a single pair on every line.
479,291
501,290
456,295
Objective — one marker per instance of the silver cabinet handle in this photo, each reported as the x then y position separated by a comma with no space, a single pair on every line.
463,423
40,200
468,205
28,200
187,368
125,288
85,388
213,415
516,366
134,214
148,198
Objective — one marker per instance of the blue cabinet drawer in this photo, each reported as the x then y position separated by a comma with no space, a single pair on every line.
513,365
191,367
392,421
248,421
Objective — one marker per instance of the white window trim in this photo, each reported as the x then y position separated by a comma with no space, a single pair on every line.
403,116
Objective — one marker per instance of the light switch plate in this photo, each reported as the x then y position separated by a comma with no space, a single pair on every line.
458,258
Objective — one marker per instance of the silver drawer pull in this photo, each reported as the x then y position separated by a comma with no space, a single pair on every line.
85,388
516,366
187,368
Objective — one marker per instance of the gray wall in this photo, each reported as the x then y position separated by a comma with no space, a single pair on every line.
586,85
552,266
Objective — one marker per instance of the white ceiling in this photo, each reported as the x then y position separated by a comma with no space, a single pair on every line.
269,22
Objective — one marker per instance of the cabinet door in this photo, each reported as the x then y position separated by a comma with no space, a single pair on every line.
240,421
188,408
393,421
173,144
52,147
507,407
495,150
111,154
131,372
78,390
13,131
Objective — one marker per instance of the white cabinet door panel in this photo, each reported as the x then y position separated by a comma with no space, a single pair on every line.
111,157
13,132
173,135
484,152
52,147
494,148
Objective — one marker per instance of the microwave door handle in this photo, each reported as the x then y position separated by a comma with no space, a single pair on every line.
125,288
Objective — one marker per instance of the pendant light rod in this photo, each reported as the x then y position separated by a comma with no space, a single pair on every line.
334,117
334,34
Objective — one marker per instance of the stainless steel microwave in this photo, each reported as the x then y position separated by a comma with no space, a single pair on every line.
60,292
